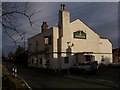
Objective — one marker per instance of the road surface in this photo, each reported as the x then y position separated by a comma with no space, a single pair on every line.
37,79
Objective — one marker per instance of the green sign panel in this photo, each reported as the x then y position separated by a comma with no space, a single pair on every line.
80,35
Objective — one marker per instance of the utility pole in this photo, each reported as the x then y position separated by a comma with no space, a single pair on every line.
24,38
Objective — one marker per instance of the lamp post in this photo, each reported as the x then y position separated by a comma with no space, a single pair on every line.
24,38
69,44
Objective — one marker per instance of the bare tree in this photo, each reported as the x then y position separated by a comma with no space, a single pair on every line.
12,13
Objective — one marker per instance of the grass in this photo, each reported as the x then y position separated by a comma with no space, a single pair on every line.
16,82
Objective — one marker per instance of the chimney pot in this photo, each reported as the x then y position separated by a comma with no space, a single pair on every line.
62,6
44,26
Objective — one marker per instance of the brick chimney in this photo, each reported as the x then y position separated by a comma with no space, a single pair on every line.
62,6
44,27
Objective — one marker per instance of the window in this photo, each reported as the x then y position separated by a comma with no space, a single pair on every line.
32,61
40,60
36,43
48,40
35,60
36,46
88,57
29,47
47,62
66,60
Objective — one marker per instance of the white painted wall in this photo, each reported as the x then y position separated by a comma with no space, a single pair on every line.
90,44
60,37
106,47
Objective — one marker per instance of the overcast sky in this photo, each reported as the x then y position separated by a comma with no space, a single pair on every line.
102,17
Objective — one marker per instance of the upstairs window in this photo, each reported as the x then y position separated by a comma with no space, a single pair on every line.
29,47
32,61
47,40
36,45
40,60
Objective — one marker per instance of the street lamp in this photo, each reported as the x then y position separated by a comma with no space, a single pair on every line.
24,38
68,51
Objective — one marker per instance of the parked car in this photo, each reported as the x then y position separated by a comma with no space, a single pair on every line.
104,63
86,67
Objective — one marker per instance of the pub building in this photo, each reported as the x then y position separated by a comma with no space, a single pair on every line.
67,44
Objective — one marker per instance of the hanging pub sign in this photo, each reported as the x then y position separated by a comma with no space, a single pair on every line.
80,35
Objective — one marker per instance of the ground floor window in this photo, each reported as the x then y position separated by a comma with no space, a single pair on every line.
32,61
35,60
66,60
89,58
47,62
40,60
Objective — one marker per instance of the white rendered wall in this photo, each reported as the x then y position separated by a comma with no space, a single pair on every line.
106,48
90,44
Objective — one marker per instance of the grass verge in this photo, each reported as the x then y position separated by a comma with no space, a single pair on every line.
16,82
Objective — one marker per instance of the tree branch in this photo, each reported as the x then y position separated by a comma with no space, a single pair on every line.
10,16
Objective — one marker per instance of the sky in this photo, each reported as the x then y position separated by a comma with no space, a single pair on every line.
102,17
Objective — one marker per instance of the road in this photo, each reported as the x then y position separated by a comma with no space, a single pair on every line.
42,80
37,79
107,73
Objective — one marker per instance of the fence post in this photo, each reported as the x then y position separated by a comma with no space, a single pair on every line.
15,72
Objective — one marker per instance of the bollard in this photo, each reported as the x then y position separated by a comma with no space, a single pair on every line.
15,72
